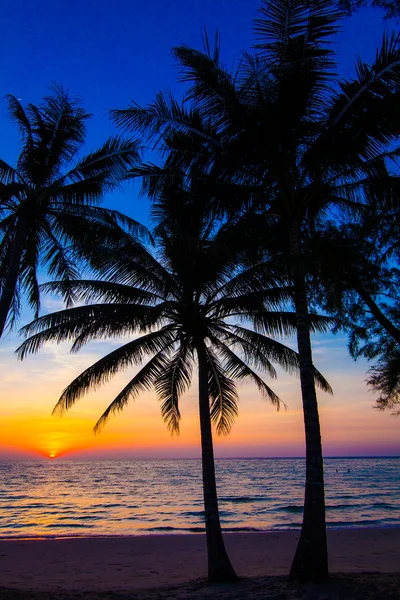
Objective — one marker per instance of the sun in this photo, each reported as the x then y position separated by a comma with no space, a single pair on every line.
52,455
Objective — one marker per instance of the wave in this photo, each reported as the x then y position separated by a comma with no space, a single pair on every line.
362,523
163,497
354,506
65,525
14,497
200,529
243,499
290,508
185,530
20,525
171,529
286,526
79,518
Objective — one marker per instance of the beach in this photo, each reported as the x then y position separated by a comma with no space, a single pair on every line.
362,561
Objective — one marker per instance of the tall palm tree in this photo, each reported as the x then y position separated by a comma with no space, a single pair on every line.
49,213
302,141
190,303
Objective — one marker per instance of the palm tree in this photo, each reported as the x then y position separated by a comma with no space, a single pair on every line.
191,302
49,213
301,141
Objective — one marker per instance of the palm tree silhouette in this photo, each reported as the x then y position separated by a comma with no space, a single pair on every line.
191,302
49,203
301,141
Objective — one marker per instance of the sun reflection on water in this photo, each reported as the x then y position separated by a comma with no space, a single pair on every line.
136,497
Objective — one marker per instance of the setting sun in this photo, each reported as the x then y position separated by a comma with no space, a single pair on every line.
52,456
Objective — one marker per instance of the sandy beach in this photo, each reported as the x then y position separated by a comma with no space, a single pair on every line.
175,566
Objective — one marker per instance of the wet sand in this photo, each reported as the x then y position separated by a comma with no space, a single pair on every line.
174,566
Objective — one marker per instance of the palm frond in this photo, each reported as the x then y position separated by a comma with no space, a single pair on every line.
65,128
144,380
382,76
256,345
8,174
161,119
172,384
104,369
19,116
131,264
9,192
15,310
261,350
284,323
212,90
114,158
95,321
116,219
223,395
287,24
236,368
260,277
93,291
58,259
28,273
95,237
268,299
90,191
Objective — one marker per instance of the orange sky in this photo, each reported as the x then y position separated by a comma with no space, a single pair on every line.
29,390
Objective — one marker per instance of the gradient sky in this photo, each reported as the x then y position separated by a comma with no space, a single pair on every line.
110,53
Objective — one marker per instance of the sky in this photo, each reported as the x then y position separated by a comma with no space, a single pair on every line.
110,53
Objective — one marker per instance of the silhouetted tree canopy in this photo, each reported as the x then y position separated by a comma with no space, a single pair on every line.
391,7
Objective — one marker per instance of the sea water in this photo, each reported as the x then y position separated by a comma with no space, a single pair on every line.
126,497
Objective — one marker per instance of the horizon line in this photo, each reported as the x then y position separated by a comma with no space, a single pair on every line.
113,458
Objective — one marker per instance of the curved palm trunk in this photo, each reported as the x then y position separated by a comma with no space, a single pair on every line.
219,566
311,559
10,283
378,314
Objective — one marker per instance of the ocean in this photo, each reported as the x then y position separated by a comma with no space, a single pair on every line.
124,497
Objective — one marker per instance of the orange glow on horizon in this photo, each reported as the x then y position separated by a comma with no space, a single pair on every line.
30,390
261,432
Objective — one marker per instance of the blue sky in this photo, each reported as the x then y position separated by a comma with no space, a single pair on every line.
110,53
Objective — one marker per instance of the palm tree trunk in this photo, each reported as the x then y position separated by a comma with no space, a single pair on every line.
219,566
10,283
378,314
311,559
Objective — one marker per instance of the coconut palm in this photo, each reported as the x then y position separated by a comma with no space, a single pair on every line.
189,303
49,213
301,141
